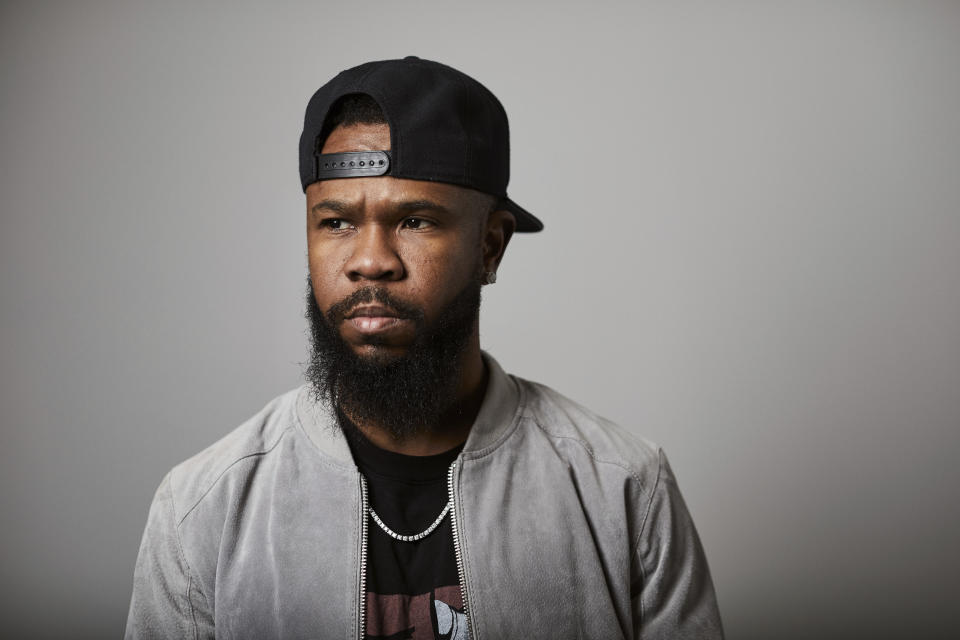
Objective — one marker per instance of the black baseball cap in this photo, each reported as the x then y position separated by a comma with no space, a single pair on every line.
444,127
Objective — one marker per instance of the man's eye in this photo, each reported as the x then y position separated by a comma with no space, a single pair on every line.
335,224
416,223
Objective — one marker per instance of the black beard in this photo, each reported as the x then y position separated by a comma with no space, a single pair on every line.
406,395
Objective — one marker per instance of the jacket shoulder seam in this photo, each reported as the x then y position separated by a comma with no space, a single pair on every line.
643,528
186,563
193,613
646,513
226,469
589,450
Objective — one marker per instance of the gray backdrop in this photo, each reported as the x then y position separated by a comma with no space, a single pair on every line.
762,274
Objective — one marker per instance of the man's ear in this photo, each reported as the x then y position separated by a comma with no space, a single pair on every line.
497,233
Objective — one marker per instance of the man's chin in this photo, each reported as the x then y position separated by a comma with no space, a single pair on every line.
376,354
376,346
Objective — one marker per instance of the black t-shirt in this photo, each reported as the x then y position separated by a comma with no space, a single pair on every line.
413,588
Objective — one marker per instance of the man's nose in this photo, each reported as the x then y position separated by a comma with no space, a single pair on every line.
374,256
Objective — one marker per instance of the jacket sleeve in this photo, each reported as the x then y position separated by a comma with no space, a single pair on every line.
673,594
167,601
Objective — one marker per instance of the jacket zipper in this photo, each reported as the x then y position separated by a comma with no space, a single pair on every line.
364,504
363,558
456,547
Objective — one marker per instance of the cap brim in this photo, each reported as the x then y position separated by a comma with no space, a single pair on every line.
526,221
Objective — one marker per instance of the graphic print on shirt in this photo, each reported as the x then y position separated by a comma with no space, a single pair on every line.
437,615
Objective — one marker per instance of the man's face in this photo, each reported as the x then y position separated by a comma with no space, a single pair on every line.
418,242
395,273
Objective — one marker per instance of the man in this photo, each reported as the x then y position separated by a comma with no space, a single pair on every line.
412,489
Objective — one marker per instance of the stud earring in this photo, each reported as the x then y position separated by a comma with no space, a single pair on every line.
490,277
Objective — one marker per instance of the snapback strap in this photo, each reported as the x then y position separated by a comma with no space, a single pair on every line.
351,164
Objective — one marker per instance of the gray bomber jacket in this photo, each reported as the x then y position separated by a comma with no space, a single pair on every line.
568,527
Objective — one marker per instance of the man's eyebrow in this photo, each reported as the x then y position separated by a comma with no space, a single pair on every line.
411,206
337,206
407,206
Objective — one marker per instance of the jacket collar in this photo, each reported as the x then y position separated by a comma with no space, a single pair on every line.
496,418
498,413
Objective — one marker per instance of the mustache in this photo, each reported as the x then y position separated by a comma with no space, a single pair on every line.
338,311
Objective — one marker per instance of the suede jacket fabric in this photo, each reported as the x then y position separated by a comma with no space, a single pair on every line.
569,527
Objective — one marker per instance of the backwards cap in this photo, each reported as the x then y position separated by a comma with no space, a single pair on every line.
444,127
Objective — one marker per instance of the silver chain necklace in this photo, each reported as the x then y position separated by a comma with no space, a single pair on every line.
417,536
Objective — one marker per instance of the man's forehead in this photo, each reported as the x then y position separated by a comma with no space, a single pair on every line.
358,137
392,194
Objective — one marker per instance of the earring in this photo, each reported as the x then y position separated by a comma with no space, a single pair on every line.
490,277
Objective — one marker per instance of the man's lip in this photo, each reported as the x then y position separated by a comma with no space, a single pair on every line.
368,325
373,311
376,319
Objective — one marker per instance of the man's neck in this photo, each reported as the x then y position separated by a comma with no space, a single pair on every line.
455,423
